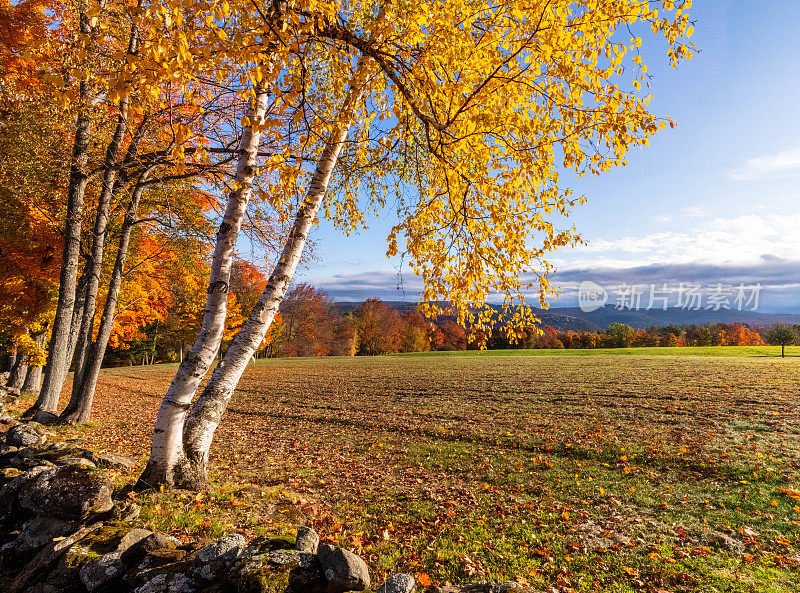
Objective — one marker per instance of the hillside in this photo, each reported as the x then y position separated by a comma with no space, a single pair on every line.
573,318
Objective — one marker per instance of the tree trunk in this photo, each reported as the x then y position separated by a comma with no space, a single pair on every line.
58,349
33,378
17,374
95,262
77,315
166,455
80,406
207,412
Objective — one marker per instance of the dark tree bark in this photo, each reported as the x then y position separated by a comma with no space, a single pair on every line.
33,378
17,374
59,347
80,406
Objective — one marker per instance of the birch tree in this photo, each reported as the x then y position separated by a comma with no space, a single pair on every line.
207,412
482,107
166,442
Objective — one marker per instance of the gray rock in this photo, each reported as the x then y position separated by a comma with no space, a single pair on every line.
398,583
212,560
10,490
68,492
307,540
227,547
155,541
114,460
22,460
283,557
343,570
133,537
99,571
26,459
307,577
25,435
70,460
168,583
42,530
47,418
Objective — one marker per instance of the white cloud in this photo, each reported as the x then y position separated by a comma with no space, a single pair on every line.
719,241
785,163
694,212
688,212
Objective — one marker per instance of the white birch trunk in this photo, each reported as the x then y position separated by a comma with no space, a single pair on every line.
207,412
166,454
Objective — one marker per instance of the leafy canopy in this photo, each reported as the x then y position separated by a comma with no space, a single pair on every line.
473,113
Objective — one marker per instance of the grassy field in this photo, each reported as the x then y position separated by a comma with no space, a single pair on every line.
585,471
713,351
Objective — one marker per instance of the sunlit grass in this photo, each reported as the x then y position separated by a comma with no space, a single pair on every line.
586,470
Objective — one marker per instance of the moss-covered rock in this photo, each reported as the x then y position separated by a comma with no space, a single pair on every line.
68,492
25,435
265,566
103,541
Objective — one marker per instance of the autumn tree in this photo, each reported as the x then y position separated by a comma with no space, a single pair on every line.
622,334
781,334
343,336
33,173
670,340
308,316
454,336
477,109
378,327
415,333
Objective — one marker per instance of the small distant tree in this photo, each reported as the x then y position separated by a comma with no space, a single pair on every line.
670,340
454,336
378,327
623,334
343,338
781,334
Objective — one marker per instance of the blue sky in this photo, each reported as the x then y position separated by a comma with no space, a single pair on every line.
714,201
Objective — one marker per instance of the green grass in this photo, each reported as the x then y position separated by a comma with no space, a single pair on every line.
713,351
582,470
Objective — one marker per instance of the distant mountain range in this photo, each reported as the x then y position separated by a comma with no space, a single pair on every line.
573,318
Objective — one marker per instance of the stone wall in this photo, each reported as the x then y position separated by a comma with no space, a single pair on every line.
62,530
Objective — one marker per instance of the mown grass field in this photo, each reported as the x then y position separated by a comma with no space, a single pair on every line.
650,470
